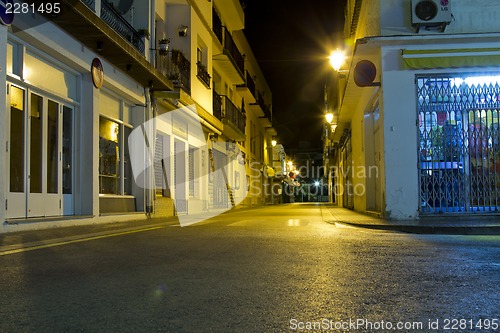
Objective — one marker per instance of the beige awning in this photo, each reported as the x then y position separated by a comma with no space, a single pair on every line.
451,58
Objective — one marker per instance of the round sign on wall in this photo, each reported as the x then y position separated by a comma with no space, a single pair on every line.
364,73
97,73
6,12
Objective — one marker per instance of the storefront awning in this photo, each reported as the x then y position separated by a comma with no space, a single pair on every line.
446,58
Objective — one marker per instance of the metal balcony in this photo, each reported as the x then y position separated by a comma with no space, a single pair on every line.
247,90
175,66
202,74
105,36
116,21
230,60
262,110
234,120
217,105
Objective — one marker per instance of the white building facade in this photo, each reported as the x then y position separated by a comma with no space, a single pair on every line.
78,83
421,137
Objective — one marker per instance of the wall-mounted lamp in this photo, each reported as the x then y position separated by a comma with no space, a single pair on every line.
183,30
274,143
337,59
329,119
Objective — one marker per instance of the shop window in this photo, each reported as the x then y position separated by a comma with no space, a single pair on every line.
115,173
192,151
109,157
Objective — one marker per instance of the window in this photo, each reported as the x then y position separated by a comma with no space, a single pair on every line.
115,174
199,55
192,152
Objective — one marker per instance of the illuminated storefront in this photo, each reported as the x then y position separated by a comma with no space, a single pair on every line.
459,143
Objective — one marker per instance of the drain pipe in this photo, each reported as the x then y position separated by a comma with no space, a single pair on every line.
149,130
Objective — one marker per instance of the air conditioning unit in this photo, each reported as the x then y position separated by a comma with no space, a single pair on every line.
430,13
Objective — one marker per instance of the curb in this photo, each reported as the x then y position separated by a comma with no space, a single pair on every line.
441,230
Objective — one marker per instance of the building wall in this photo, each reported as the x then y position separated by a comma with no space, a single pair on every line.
480,16
3,119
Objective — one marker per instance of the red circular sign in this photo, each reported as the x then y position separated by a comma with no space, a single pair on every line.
97,73
364,73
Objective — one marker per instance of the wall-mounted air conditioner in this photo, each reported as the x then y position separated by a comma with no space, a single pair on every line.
430,14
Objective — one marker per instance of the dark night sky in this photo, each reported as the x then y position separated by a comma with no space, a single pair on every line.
291,41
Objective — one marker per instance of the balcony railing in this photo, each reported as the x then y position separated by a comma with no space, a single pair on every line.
175,66
90,4
249,83
116,21
232,50
217,105
263,106
217,26
234,115
203,75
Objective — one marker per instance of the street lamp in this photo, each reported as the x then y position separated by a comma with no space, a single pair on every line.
337,59
329,117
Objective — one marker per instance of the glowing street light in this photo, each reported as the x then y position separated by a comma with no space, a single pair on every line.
337,59
329,117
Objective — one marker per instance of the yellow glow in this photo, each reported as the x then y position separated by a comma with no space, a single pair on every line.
113,132
337,59
26,73
274,143
329,117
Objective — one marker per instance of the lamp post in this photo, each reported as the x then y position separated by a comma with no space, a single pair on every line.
333,101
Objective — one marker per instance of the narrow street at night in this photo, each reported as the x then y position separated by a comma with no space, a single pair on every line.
271,269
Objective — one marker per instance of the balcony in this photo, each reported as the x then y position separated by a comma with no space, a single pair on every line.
231,11
116,21
230,60
234,120
111,37
176,67
247,90
217,105
263,110
202,74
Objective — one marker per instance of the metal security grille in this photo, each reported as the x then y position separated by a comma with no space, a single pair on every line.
459,144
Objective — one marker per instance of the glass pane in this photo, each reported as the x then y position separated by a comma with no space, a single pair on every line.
67,150
16,151
127,168
109,156
36,140
52,144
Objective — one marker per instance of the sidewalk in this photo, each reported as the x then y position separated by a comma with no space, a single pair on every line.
39,238
457,225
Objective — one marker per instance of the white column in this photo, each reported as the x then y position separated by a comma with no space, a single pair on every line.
87,161
3,120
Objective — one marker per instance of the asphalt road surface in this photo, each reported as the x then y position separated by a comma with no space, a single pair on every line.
271,269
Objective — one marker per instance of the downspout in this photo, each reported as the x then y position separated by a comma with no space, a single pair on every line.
149,128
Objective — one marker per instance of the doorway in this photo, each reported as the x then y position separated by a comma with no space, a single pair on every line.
39,156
